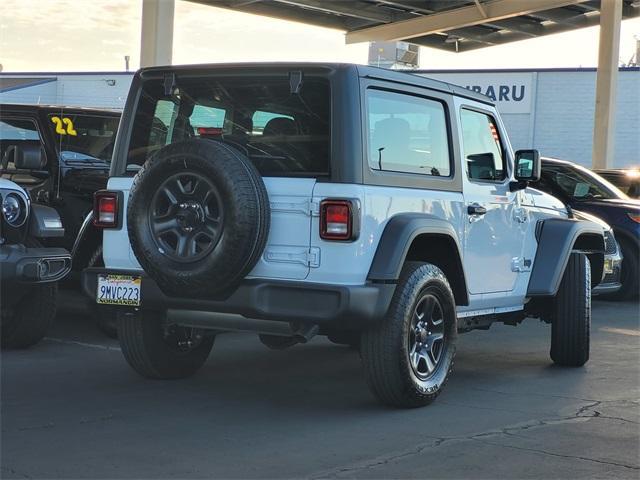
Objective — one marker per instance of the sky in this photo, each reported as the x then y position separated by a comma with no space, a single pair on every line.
95,35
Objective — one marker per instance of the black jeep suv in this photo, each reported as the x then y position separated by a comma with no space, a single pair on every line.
74,146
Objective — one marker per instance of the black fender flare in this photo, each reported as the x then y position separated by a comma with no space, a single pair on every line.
557,238
396,240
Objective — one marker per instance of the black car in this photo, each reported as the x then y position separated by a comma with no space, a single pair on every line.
586,191
75,145
626,179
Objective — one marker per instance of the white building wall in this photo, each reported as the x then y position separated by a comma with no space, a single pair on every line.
99,90
557,111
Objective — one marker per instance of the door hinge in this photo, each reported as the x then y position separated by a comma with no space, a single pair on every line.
313,257
314,208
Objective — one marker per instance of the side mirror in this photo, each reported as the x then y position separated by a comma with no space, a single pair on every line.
527,166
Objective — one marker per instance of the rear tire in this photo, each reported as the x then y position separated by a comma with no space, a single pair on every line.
408,356
162,353
571,319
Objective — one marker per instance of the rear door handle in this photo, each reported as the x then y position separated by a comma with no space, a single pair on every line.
476,209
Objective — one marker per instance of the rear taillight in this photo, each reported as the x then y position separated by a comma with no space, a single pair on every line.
336,220
105,209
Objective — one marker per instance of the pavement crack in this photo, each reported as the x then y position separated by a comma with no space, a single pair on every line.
382,460
513,431
553,454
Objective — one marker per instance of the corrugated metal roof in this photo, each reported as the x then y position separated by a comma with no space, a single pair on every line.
354,15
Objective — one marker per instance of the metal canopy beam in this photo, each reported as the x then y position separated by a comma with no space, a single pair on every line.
495,10
156,42
606,83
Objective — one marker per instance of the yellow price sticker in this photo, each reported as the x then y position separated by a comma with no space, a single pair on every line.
64,126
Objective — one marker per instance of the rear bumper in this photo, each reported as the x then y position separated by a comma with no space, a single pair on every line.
33,265
342,306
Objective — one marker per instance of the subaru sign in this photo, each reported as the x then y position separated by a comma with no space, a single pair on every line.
510,90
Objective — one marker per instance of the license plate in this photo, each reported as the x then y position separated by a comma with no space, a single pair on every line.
119,290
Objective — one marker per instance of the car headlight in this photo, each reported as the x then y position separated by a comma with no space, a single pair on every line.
14,209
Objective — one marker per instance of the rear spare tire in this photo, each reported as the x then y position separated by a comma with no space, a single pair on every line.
198,217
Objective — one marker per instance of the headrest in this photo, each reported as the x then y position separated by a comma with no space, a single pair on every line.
25,157
280,126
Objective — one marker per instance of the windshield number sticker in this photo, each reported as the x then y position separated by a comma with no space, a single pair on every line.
64,126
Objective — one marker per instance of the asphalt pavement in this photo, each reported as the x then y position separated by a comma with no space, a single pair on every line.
72,408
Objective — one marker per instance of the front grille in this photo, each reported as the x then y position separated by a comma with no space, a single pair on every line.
610,245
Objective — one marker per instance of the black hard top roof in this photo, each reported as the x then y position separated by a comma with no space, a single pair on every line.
399,76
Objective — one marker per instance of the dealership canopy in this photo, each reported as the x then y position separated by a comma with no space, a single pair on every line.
453,25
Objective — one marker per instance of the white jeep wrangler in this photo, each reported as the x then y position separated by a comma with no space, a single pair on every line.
379,208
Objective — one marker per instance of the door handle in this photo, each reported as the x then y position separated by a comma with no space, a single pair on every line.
475,209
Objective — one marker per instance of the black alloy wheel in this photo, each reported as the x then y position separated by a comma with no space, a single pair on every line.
426,336
186,217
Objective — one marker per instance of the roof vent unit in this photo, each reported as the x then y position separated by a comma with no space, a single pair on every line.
394,55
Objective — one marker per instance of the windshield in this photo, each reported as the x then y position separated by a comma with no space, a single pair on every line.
578,183
84,138
282,133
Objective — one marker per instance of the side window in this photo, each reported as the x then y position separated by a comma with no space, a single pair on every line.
483,154
407,134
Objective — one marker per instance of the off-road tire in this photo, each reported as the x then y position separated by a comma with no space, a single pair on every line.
28,321
143,343
571,314
246,218
106,317
384,348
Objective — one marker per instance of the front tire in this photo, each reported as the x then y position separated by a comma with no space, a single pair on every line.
408,356
27,322
571,319
156,351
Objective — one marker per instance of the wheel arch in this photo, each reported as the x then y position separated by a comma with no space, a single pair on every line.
420,237
557,238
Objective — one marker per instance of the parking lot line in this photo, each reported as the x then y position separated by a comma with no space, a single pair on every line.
621,331
82,344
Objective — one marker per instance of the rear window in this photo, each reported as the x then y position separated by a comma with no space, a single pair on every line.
283,133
